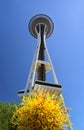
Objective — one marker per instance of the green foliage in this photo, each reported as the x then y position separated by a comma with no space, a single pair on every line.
6,112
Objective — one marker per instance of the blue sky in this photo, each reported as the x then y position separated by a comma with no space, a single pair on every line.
66,47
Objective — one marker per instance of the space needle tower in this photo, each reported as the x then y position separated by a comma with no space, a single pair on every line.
41,27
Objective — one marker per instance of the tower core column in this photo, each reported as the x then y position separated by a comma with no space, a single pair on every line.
41,69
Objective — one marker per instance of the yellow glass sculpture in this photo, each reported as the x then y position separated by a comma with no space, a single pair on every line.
41,111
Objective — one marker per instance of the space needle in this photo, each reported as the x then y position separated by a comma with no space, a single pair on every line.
41,27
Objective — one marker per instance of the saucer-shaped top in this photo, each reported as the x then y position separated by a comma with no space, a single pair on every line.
41,19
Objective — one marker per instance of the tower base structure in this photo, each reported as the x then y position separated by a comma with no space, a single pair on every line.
41,86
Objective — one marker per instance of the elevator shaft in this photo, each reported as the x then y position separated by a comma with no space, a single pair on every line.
41,69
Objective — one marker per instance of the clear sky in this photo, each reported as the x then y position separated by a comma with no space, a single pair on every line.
66,47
